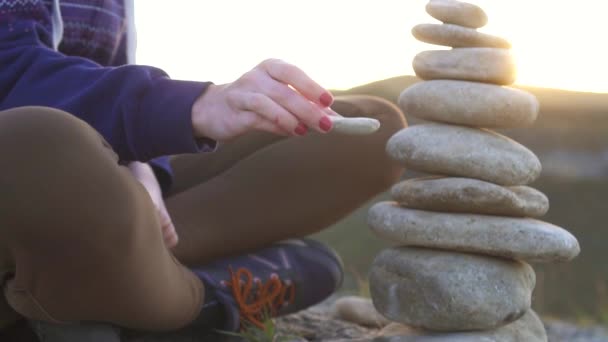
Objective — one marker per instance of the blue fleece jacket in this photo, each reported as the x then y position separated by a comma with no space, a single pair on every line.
139,110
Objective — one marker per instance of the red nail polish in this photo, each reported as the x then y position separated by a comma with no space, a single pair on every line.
301,129
325,124
326,99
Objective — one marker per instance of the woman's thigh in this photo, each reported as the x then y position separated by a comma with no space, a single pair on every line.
283,188
80,239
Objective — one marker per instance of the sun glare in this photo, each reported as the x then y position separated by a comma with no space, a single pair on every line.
345,43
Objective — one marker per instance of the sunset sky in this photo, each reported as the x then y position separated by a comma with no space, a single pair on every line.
345,43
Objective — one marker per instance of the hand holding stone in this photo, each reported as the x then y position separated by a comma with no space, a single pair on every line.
274,96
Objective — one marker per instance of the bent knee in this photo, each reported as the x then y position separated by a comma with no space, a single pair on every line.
43,127
48,136
55,160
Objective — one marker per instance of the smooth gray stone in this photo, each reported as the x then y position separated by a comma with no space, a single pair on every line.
458,13
354,126
517,238
470,103
451,150
457,36
488,65
449,291
529,328
465,195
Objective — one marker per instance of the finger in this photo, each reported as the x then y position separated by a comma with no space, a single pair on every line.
311,114
331,112
268,110
167,228
171,238
163,216
299,80
169,234
271,127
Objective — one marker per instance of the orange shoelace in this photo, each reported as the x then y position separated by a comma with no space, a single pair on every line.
265,298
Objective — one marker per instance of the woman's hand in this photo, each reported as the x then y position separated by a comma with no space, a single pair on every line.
144,174
274,96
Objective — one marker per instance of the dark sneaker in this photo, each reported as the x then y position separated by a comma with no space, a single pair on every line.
287,277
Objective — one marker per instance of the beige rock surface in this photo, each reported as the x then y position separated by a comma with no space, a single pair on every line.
456,12
398,329
518,238
354,126
529,328
470,104
488,65
464,152
457,36
465,195
449,291
358,310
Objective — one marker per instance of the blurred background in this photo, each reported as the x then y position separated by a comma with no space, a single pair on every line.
365,47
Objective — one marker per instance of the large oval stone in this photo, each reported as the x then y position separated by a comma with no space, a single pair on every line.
457,36
456,12
488,65
449,291
517,238
465,152
465,195
529,328
470,103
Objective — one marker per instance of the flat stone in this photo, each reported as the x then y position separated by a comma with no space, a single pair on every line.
358,310
517,238
488,65
398,329
470,104
457,36
529,328
458,13
355,126
450,150
465,195
449,291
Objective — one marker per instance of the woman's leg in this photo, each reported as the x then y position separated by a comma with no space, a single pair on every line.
260,189
80,237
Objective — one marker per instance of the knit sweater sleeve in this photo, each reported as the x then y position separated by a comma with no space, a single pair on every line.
138,109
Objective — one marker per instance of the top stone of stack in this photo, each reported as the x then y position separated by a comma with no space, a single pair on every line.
457,13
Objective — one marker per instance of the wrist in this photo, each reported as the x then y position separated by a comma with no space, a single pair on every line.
202,109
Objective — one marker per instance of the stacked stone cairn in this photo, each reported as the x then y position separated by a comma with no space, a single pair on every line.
465,235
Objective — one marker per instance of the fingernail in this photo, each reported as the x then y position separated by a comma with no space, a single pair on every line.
325,124
301,129
326,99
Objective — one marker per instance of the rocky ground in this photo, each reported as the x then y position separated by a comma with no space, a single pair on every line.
318,324
314,325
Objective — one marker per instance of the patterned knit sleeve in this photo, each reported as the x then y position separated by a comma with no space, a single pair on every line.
138,109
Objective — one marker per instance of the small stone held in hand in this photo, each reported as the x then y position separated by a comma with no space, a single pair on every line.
354,125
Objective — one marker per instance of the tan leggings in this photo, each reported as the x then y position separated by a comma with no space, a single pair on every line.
80,241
